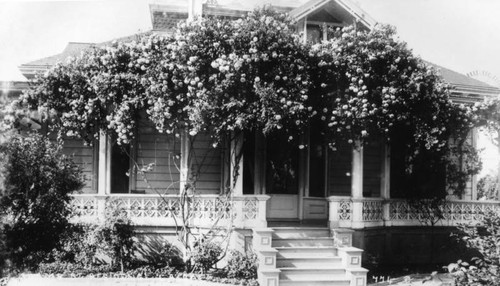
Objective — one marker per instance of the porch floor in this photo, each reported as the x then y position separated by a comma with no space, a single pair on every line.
296,223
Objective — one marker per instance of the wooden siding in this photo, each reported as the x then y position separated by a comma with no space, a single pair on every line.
205,165
86,158
339,171
372,168
162,152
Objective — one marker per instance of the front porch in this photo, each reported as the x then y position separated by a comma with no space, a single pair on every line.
249,211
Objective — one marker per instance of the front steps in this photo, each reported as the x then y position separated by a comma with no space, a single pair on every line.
308,256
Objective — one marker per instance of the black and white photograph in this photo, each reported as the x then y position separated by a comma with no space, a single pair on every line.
256,142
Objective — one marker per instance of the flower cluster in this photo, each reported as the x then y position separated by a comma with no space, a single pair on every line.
255,74
370,84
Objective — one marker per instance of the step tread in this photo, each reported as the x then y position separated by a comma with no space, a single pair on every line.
300,228
304,238
307,269
309,257
339,279
304,247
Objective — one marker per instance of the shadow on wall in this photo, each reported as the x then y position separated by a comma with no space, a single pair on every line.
157,249
417,248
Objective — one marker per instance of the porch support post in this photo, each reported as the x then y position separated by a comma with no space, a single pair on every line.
357,185
236,170
474,138
260,164
184,163
385,191
104,173
195,9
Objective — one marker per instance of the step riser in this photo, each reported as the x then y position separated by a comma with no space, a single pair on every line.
302,242
312,275
300,233
309,263
314,283
307,257
299,253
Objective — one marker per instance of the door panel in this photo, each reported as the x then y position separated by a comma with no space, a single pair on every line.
315,208
282,177
282,206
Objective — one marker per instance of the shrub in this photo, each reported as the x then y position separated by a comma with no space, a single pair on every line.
79,246
204,256
38,181
241,266
116,237
484,269
84,243
158,253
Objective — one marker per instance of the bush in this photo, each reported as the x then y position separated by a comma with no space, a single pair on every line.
38,181
241,266
79,246
485,269
84,243
116,237
158,253
204,256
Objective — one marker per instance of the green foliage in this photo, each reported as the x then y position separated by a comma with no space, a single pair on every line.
241,266
204,256
485,269
38,180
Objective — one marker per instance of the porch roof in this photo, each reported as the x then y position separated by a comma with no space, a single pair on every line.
72,49
464,88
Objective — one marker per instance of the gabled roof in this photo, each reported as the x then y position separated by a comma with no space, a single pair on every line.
341,9
71,50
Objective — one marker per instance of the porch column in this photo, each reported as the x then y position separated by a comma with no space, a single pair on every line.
195,9
260,164
385,186
474,138
104,173
236,170
357,185
184,163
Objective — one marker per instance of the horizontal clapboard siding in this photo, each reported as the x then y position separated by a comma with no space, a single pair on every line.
206,165
163,152
339,171
86,158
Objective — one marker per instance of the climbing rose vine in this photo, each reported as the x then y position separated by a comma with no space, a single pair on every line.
227,76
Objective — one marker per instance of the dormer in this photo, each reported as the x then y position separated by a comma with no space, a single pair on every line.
314,17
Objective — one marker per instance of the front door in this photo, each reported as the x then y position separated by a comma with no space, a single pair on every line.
282,178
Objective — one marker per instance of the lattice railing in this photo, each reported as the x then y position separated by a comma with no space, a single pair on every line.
153,210
372,211
345,210
369,212
85,206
